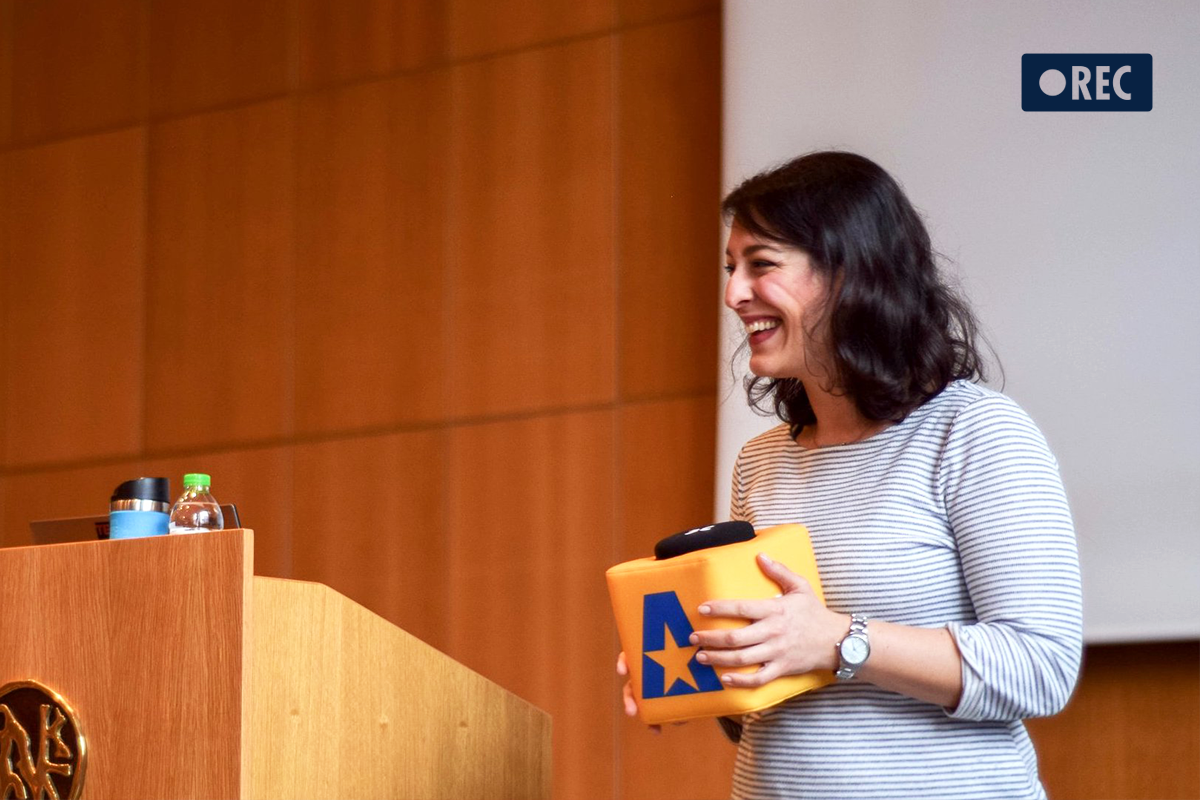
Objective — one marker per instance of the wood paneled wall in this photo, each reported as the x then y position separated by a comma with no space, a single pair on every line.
446,277
450,272
1132,729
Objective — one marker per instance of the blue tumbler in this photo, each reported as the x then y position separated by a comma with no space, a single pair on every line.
139,508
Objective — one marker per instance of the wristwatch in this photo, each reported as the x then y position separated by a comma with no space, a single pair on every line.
853,649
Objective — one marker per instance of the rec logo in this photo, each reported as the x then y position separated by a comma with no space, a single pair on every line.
1087,82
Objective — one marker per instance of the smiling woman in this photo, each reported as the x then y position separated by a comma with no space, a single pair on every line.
842,228
935,509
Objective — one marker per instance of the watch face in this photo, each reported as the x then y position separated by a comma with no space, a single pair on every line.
855,649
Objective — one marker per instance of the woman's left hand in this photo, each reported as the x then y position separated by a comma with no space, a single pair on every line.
788,635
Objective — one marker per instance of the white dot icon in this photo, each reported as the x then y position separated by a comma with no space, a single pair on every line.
1052,82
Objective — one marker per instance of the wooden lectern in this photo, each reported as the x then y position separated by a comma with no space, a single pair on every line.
191,677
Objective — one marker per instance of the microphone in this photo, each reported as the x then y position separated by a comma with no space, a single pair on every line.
656,601
700,538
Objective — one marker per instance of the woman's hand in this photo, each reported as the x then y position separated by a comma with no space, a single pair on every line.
788,635
631,708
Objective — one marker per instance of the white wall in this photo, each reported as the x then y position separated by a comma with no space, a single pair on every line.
1076,236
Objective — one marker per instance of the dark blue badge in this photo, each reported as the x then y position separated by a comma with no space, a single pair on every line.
669,665
1087,82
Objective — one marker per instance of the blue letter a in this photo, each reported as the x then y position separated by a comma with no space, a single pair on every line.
662,612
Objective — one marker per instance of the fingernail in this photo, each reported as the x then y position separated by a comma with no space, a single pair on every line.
705,609
702,657
726,679
694,638
766,559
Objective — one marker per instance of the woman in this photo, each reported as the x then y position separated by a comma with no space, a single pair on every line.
939,522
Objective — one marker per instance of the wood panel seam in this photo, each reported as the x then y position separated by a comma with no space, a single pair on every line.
298,91
348,434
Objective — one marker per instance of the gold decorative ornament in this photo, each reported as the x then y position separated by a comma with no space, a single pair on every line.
42,750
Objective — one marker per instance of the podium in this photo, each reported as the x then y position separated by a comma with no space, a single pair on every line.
191,677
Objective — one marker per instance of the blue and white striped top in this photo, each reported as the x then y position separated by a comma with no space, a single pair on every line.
955,517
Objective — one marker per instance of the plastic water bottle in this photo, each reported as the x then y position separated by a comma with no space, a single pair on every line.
196,510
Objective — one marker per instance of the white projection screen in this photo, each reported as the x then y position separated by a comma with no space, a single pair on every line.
1076,235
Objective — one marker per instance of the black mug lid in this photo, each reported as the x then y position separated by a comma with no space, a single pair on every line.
714,535
158,489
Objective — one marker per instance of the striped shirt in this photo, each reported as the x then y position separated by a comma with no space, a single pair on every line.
956,518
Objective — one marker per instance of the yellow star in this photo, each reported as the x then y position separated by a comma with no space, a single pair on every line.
674,661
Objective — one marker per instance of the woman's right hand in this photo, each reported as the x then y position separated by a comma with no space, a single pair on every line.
631,708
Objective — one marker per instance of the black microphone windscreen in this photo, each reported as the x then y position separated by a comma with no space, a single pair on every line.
713,535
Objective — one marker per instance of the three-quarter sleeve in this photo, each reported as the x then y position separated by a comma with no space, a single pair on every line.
1006,505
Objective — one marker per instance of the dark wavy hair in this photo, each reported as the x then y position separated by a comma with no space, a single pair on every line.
898,334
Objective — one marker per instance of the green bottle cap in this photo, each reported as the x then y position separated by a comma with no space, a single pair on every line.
196,479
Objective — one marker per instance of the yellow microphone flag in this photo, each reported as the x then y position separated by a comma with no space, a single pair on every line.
656,604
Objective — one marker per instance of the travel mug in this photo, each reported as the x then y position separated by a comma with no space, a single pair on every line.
139,508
